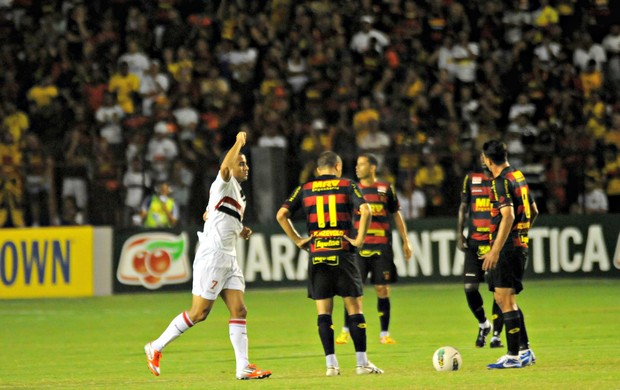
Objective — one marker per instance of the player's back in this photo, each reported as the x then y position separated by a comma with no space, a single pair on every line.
476,193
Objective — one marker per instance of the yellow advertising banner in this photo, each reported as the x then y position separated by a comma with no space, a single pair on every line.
46,262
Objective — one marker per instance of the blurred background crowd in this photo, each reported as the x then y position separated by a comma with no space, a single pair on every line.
107,106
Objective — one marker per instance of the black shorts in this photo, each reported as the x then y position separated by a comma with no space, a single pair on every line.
326,280
381,267
508,273
472,268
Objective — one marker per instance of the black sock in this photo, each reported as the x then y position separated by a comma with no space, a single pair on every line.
524,341
326,333
474,300
347,321
383,307
512,320
498,320
358,332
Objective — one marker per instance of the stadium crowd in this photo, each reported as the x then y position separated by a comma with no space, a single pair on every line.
102,100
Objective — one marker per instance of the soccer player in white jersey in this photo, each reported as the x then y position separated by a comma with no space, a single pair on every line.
216,272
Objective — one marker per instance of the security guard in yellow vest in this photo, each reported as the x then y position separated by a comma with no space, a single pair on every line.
160,210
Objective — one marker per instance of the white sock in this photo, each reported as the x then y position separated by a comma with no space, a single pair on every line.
177,327
383,334
239,339
345,329
361,358
485,324
331,361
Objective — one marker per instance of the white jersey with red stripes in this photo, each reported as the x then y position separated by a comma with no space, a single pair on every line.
224,216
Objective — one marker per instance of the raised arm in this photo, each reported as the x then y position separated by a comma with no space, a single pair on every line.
230,160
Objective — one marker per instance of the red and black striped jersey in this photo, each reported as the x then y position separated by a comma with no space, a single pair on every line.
475,193
329,203
383,202
510,189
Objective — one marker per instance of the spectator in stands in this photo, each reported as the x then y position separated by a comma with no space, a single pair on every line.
611,172
430,179
154,85
136,182
412,200
187,118
70,214
591,79
587,50
594,200
362,39
160,210
376,142
522,106
38,169
181,181
109,117
611,44
137,61
11,182
125,86
78,153
161,152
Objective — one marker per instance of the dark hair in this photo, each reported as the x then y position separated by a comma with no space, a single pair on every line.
496,151
328,159
372,159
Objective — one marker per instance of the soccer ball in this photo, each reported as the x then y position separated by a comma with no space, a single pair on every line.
447,359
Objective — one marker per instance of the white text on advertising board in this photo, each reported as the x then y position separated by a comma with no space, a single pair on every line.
555,250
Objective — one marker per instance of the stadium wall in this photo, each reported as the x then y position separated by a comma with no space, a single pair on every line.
87,261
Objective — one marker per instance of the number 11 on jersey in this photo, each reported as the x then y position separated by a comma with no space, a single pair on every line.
320,210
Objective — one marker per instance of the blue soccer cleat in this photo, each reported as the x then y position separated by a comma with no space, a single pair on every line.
527,357
506,361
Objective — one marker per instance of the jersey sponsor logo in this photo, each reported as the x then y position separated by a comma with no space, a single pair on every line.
294,195
482,204
377,209
476,180
328,243
382,190
329,260
324,185
369,252
154,259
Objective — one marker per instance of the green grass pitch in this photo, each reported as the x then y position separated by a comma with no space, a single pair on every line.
97,342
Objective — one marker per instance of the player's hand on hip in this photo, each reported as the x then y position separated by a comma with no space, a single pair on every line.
302,243
358,242
246,232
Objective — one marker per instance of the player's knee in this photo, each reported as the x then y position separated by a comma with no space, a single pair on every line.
197,316
383,290
471,287
240,312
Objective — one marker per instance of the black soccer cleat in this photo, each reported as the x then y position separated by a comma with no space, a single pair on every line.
496,343
481,340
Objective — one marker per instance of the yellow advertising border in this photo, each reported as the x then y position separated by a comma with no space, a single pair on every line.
46,262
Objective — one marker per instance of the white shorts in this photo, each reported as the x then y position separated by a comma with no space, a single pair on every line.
77,188
215,271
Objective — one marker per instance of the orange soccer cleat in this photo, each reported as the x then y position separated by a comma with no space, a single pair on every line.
152,357
253,372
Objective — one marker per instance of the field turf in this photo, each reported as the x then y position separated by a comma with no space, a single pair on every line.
98,342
